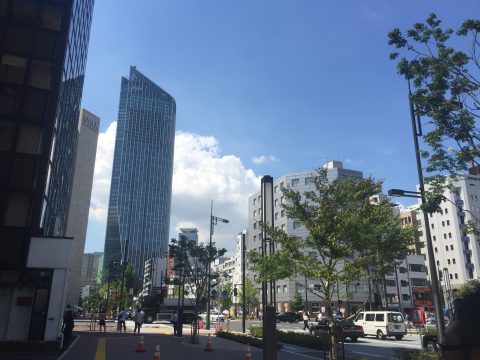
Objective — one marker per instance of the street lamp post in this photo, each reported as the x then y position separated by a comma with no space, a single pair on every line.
213,221
437,302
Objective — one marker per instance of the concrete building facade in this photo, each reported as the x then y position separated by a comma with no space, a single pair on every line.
456,252
88,127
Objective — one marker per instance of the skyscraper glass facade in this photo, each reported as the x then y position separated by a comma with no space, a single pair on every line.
141,186
43,50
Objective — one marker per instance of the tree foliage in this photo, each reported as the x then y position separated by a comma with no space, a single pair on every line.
347,232
251,296
192,260
226,301
297,303
446,83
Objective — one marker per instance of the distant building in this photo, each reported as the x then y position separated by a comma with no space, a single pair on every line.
141,187
154,276
456,252
43,53
407,287
90,266
88,126
412,217
190,233
286,289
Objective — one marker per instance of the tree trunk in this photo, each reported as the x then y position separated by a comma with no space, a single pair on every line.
333,338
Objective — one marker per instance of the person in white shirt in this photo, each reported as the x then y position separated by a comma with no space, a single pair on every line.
139,314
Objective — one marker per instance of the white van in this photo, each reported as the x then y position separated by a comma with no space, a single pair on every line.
382,324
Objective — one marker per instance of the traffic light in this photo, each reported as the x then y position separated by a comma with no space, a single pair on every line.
235,291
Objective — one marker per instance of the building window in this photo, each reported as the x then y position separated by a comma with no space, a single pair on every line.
308,180
451,247
283,227
418,282
390,283
443,223
448,261
51,18
454,261
438,262
254,201
254,213
275,189
448,222
276,216
436,250
456,276
451,277
433,225
296,225
444,236
13,69
254,238
295,182
276,202
255,226
282,213
285,289
449,235
434,238
17,210
416,267
446,247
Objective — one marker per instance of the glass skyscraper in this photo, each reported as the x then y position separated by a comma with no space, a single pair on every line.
141,186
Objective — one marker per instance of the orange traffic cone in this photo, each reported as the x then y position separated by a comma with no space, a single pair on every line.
209,345
156,354
248,354
140,345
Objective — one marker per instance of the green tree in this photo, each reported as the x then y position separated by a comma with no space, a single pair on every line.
347,232
251,296
446,83
297,303
226,302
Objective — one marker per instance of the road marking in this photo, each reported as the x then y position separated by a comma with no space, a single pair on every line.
100,354
369,354
295,353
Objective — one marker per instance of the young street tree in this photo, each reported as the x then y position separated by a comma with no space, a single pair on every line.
251,296
446,83
347,233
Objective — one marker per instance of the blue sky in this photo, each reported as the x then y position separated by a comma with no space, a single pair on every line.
262,87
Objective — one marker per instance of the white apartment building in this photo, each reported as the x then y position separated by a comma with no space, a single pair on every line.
457,254
286,289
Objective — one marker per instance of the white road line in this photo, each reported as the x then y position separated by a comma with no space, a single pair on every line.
295,353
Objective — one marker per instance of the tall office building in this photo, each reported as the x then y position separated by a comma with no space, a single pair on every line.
43,51
89,268
141,187
88,126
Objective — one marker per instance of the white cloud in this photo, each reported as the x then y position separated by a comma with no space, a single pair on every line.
201,174
372,15
102,174
263,159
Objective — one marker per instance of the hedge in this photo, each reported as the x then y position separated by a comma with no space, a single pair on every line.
305,340
244,339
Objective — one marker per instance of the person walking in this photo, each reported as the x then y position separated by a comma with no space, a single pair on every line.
305,321
67,327
102,320
139,314
122,316
174,321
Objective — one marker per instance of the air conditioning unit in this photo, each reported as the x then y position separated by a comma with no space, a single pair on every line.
53,228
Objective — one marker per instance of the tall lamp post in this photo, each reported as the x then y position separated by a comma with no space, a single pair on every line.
213,221
437,302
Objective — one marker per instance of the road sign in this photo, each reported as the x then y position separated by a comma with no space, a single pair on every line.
214,292
117,296
224,293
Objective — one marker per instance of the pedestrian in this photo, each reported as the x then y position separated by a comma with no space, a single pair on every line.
102,320
68,325
305,321
139,314
122,316
462,339
174,321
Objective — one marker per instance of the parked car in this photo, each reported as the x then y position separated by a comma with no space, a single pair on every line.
382,324
342,328
429,341
215,316
288,316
